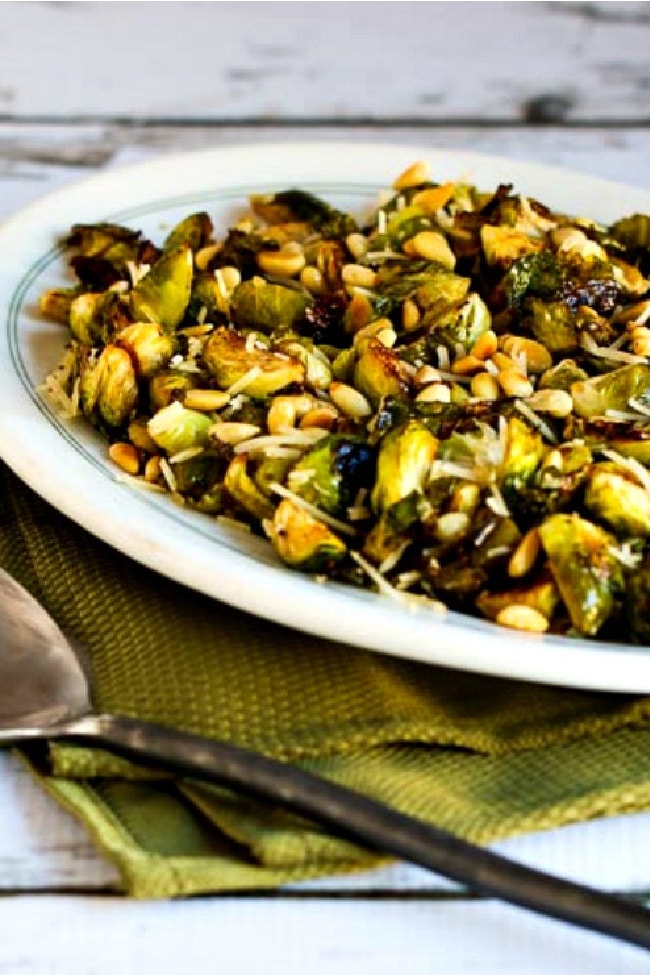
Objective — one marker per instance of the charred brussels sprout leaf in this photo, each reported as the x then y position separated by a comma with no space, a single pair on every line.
615,497
108,387
535,274
587,573
163,294
613,391
175,428
331,474
229,359
243,489
302,541
194,231
257,304
403,466
298,205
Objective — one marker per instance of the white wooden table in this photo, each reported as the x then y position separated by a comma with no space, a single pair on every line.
84,86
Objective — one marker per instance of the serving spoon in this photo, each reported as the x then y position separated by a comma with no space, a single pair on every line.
45,695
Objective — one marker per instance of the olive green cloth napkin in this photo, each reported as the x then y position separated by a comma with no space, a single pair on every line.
481,756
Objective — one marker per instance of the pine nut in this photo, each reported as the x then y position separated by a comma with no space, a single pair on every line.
357,244
525,555
502,361
521,617
435,393
433,198
514,384
203,257
410,315
484,386
431,245
538,358
555,402
230,277
349,400
205,400
374,330
152,470
231,432
312,279
358,276
467,365
125,456
324,417
281,415
280,264
415,174
359,311
140,437
452,526
485,346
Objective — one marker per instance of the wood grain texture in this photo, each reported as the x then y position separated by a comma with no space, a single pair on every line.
462,61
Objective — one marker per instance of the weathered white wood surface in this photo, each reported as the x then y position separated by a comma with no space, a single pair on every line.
325,60
84,86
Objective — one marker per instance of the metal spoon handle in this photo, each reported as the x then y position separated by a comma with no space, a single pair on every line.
366,821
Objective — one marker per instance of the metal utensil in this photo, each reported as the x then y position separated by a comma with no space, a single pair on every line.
45,695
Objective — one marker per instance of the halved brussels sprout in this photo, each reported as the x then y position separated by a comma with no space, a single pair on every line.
162,295
587,573
302,541
229,358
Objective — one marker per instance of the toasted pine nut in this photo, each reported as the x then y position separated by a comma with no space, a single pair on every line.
281,264
203,257
467,365
415,174
431,245
349,400
538,358
140,437
205,400
358,276
484,386
556,402
466,497
486,345
514,384
152,470
359,311
374,330
281,415
410,315
312,279
524,556
230,277
522,617
502,361
125,456
324,416
452,525
433,197
357,244
435,393
387,337
232,433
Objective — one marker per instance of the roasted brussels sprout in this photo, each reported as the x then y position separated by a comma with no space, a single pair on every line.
449,397
302,541
162,295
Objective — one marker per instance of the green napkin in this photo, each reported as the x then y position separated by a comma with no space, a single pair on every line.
483,757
